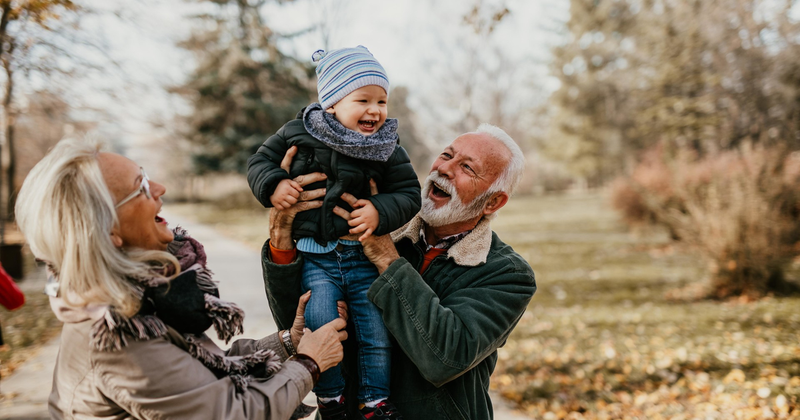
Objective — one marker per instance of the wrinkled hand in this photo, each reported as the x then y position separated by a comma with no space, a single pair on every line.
299,324
379,249
281,219
325,344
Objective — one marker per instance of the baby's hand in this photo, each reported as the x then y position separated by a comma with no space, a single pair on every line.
286,194
365,218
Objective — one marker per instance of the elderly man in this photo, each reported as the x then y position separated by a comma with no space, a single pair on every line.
449,291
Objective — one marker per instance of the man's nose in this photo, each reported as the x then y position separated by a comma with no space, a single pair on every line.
445,168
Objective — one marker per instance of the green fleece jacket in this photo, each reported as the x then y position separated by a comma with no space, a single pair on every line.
446,323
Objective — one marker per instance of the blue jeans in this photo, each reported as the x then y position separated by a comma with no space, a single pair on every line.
346,274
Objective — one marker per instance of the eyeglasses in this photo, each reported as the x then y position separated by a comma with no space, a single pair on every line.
144,188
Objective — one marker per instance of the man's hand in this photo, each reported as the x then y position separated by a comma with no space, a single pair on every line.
379,249
364,218
280,220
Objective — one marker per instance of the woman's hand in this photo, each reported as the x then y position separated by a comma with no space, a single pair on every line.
280,220
325,344
299,324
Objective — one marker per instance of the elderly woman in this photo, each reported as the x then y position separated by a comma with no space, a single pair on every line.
136,297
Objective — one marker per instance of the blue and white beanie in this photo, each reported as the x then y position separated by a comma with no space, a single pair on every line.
342,71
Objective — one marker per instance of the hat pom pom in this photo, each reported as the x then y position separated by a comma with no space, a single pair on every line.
318,55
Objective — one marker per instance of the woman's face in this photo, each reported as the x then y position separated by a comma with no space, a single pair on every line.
139,223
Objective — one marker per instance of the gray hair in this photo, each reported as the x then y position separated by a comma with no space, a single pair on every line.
67,214
512,174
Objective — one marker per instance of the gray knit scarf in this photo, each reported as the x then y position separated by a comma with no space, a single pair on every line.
327,129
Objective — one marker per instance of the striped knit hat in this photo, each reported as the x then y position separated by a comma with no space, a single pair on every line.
342,71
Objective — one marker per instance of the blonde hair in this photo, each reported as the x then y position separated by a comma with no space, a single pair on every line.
67,213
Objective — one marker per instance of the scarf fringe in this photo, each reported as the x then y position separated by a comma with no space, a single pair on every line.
239,382
108,333
180,233
237,368
204,280
234,365
227,317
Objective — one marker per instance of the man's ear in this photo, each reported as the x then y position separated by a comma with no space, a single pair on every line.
116,239
496,202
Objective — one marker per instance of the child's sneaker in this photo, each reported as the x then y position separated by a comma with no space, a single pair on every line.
333,410
384,410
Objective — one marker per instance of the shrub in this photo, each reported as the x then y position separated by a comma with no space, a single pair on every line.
649,188
738,208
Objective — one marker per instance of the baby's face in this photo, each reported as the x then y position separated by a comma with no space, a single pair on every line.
363,110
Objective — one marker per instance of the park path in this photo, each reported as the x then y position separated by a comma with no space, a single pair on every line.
236,267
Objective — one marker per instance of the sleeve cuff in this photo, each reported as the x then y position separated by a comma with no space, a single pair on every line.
384,281
282,256
273,342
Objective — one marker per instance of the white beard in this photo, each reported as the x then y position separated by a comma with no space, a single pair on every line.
455,210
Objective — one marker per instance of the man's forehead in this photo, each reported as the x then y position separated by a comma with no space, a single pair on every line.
476,146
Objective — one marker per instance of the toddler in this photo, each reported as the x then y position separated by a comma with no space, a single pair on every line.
348,137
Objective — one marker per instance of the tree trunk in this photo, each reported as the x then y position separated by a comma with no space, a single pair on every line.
5,53
10,121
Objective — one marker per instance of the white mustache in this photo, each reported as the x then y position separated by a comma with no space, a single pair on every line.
442,183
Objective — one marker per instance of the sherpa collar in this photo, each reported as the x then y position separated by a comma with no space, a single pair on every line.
470,251
327,129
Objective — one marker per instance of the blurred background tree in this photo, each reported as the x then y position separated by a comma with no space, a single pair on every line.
686,82
44,118
243,88
706,76
419,151
21,23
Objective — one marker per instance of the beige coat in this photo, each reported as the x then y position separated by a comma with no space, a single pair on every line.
159,379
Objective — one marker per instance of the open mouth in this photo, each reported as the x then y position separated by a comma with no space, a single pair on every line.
437,191
367,125
160,219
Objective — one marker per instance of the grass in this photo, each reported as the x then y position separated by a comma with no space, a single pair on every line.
601,340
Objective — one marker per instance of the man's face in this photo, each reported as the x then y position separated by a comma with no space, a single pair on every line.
455,210
364,110
457,187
